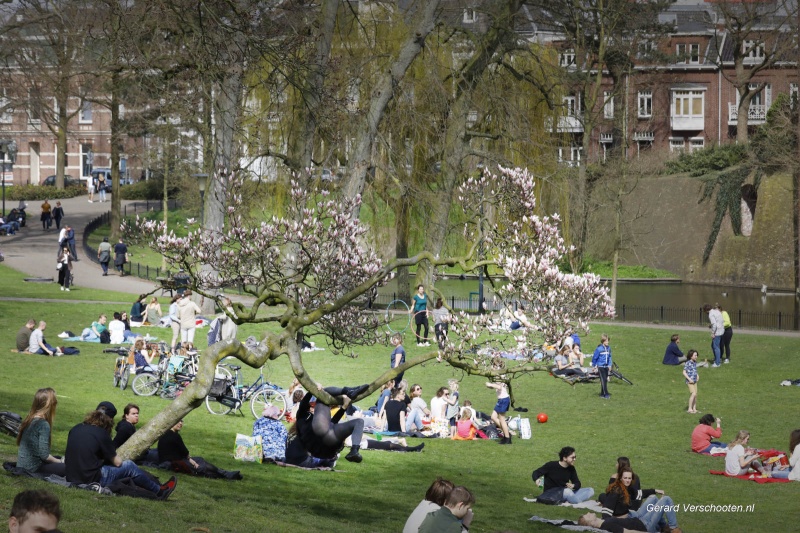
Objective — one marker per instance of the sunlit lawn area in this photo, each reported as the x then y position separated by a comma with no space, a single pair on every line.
646,421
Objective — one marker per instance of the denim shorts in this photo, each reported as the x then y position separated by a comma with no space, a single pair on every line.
502,406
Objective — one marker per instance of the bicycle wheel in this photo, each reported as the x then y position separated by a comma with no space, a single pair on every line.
221,405
145,385
126,375
397,318
266,397
117,375
617,374
170,392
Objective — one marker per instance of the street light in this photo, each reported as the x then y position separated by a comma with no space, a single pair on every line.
10,148
202,179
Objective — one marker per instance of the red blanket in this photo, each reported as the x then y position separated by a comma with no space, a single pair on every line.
752,477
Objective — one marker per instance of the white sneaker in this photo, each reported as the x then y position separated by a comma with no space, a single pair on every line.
426,344
91,201
66,290
62,288
727,361
715,365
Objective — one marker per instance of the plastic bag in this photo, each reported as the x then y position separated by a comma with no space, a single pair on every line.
247,448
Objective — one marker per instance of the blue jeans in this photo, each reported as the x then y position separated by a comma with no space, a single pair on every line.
714,444
577,497
110,474
654,512
715,349
782,474
41,351
414,418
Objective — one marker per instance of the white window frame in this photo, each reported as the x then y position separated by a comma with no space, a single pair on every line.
674,147
85,114
567,58
572,105
6,114
754,51
680,52
469,16
794,94
608,105
683,104
574,152
31,118
696,143
694,54
645,108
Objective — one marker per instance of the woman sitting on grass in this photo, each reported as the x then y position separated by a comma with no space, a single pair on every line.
35,436
563,365
633,486
703,433
142,359
739,460
791,471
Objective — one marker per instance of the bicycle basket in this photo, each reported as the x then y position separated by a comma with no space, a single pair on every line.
218,387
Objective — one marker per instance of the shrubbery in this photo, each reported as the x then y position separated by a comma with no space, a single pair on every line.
707,160
39,192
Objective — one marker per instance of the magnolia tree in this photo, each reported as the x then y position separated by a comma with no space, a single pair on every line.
311,272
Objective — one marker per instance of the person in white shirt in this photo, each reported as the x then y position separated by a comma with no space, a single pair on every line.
738,459
116,328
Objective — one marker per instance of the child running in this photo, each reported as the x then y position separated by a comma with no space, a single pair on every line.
500,409
690,373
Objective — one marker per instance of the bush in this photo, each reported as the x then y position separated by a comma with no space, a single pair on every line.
707,160
38,192
144,190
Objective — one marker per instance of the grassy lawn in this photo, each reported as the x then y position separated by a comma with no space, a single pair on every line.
646,421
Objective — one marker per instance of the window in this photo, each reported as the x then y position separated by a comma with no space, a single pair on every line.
85,116
608,105
572,105
687,104
645,103
793,94
762,97
696,143
34,106
469,16
6,113
753,51
646,48
567,58
676,144
570,155
688,53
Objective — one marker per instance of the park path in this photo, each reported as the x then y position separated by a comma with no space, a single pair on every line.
33,250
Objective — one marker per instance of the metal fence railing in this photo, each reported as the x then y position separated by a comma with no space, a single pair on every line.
742,318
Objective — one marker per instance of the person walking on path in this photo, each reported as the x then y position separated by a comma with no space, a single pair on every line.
101,186
71,242
46,217
62,239
717,329
64,268
104,255
120,256
58,214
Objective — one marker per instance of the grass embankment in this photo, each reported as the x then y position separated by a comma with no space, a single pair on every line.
646,422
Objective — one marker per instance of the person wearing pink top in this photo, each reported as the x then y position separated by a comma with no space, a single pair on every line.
703,433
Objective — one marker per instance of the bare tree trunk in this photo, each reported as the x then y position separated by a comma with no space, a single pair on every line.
403,229
359,163
743,117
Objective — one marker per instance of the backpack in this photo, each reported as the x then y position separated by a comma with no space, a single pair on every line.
70,350
105,337
10,422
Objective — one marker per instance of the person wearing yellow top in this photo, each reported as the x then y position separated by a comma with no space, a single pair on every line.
46,217
727,335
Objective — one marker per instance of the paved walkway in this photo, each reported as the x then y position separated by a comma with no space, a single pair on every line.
33,250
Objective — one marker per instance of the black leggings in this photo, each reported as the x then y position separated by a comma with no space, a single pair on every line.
727,335
603,371
421,320
329,435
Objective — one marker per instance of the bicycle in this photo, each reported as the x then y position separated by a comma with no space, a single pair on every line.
614,372
228,393
122,367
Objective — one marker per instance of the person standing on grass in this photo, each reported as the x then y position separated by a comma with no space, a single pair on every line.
500,409
692,377
561,483
727,334
602,361
717,329
187,313
104,255
420,312
174,321
398,356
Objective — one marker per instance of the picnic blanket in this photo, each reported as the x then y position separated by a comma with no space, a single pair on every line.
592,505
570,525
281,463
752,477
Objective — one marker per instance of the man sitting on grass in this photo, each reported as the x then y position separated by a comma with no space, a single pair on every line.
92,458
37,344
24,336
561,481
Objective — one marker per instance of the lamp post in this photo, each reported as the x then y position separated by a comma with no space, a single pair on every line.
202,179
10,148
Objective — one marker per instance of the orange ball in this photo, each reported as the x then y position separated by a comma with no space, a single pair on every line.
542,418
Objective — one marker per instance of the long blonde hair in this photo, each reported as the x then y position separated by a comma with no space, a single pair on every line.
44,407
740,438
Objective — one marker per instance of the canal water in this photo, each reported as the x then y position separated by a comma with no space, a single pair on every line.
661,302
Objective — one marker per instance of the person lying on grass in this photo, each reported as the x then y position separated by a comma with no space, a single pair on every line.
172,449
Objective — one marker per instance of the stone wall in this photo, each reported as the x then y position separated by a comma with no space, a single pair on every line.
672,229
